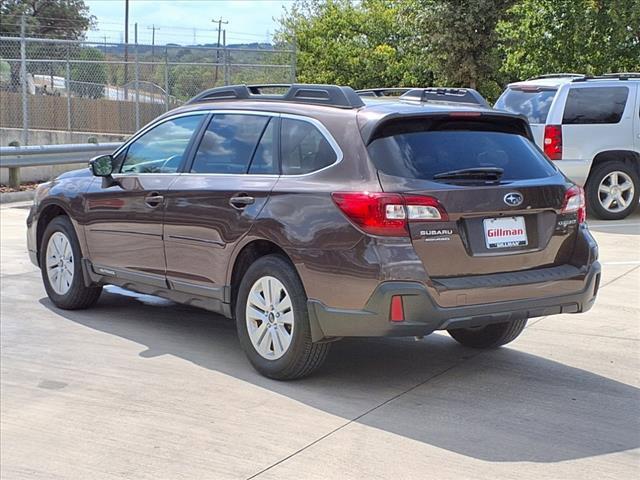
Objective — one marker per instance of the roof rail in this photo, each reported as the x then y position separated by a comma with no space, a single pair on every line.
382,92
330,95
438,94
557,75
609,76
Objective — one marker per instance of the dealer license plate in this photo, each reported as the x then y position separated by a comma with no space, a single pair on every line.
505,232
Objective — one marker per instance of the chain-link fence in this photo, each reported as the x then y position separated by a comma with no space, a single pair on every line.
100,89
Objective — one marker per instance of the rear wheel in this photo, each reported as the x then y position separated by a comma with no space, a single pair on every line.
61,269
489,336
273,323
612,190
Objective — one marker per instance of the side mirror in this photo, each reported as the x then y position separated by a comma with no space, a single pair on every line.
102,166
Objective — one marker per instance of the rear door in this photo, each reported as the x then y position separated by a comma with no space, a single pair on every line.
124,221
493,226
212,205
596,119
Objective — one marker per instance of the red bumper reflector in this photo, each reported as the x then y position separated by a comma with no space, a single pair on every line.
397,310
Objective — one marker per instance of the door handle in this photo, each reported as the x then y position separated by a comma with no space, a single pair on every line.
153,200
241,201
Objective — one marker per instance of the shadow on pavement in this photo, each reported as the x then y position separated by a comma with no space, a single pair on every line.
628,226
500,406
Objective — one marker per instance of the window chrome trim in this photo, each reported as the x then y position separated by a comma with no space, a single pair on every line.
316,123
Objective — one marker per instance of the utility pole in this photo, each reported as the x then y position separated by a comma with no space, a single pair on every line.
153,29
219,22
126,49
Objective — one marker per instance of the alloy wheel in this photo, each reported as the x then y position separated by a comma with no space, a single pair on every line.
616,191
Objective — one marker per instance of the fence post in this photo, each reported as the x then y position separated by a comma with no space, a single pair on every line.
166,78
137,78
68,85
225,63
24,81
293,61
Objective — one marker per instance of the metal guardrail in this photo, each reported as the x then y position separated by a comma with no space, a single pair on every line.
15,158
42,155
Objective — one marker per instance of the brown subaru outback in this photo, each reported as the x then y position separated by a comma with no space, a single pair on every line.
312,213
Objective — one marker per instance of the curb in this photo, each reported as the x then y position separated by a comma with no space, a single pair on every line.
11,197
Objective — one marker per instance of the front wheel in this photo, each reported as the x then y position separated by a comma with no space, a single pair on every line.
273,323
489,336
61,269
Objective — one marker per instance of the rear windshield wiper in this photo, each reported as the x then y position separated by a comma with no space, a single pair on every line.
479,173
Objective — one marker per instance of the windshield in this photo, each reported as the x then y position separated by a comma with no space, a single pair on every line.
422,155
534,104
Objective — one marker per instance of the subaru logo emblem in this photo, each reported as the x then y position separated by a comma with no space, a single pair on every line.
513,199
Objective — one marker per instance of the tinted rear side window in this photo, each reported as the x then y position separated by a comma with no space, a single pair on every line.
421,155
595,105
304,148
229,143
534,104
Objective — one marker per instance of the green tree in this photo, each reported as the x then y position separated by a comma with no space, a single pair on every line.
459,39
584,36
359,44
62,19
68,19
89,79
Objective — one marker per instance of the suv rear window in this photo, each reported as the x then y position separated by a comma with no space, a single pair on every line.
595,105
534,104
423,154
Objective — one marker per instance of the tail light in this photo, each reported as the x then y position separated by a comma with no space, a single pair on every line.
396,312
388,214
574,201
553,141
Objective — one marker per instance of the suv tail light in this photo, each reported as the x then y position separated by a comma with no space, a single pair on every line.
574,201
553,141
388,214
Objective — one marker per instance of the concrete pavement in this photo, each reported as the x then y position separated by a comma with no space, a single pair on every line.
141,388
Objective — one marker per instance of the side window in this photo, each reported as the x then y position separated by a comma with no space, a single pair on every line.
595,105
228,143
264,159
161,149
303,148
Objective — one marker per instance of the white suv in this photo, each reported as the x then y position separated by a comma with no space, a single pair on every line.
591,125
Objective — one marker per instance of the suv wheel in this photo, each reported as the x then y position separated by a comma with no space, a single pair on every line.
61,269
612,190
489,336
273,323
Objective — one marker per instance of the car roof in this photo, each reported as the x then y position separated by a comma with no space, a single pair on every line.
370,114
578,80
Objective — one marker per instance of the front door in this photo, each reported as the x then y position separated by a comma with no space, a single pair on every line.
214,203
123,222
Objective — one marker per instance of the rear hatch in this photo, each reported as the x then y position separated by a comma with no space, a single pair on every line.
501,200
532,101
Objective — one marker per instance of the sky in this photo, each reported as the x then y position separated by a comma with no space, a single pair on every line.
249,20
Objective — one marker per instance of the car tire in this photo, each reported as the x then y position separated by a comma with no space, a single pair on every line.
273,323
489,336
603,177
61,268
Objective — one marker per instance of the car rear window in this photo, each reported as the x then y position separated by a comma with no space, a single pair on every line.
595,105
534,103
423,154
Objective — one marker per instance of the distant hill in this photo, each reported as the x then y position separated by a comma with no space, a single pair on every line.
146,49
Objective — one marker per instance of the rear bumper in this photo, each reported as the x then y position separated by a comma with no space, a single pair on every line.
423,315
